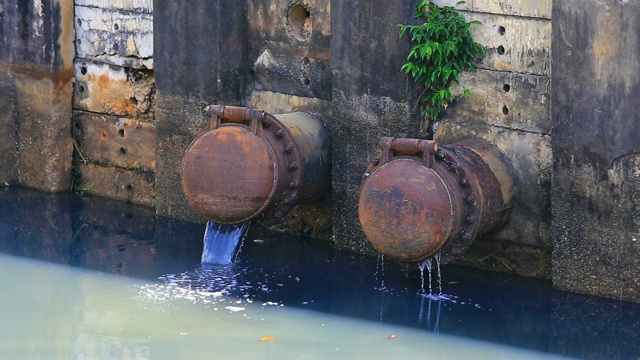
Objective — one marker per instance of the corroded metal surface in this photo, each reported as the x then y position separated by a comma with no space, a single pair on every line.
249,163
419,197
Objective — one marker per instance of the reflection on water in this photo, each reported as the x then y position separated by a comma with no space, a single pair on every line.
136,290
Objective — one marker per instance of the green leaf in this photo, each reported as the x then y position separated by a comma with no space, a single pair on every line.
441,47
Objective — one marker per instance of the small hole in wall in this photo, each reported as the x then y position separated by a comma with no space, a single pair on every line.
305,61
129,187
115,47
121,132
133,100
501,30
506,87
307,81
79,22
501,50
505,110
78,41
299,22
83,70
116,27
123,151
81,89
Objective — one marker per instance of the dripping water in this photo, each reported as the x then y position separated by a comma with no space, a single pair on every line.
426,264
380,272
221,242
437,257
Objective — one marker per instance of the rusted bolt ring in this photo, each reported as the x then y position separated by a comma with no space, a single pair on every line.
290,154
469,225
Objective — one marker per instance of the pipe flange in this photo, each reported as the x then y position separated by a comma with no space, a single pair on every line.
469,190
289,163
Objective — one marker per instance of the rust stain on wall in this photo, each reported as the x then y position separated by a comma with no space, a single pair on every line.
67,48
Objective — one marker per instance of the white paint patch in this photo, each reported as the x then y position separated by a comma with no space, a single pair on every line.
38,9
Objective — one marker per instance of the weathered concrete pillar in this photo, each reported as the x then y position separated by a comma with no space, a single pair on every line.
596,174
370,99
36,57
8,137
199,60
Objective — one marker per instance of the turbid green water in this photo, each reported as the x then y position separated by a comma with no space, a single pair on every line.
57,312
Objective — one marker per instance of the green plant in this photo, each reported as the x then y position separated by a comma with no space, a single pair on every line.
442,47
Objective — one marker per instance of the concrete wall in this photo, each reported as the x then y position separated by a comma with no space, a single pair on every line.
596,165
114,100
36,62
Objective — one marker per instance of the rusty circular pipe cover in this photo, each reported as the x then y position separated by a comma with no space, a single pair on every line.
229,174
406,210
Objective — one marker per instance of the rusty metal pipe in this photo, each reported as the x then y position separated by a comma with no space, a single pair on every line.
419,197
249,164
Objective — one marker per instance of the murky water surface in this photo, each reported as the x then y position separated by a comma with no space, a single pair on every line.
95,279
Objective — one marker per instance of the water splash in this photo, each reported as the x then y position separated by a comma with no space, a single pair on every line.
221,242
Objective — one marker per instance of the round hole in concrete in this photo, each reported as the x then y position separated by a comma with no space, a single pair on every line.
115,47
305,61
121,132
129,187
80,89
506,87
123,151
133,100
116,27
299,22
501,50
307,81
78,41
83,70
505,110
501,30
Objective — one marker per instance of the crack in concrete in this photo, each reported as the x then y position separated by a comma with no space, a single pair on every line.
520,130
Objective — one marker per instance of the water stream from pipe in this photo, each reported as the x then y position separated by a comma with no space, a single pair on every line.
221,242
